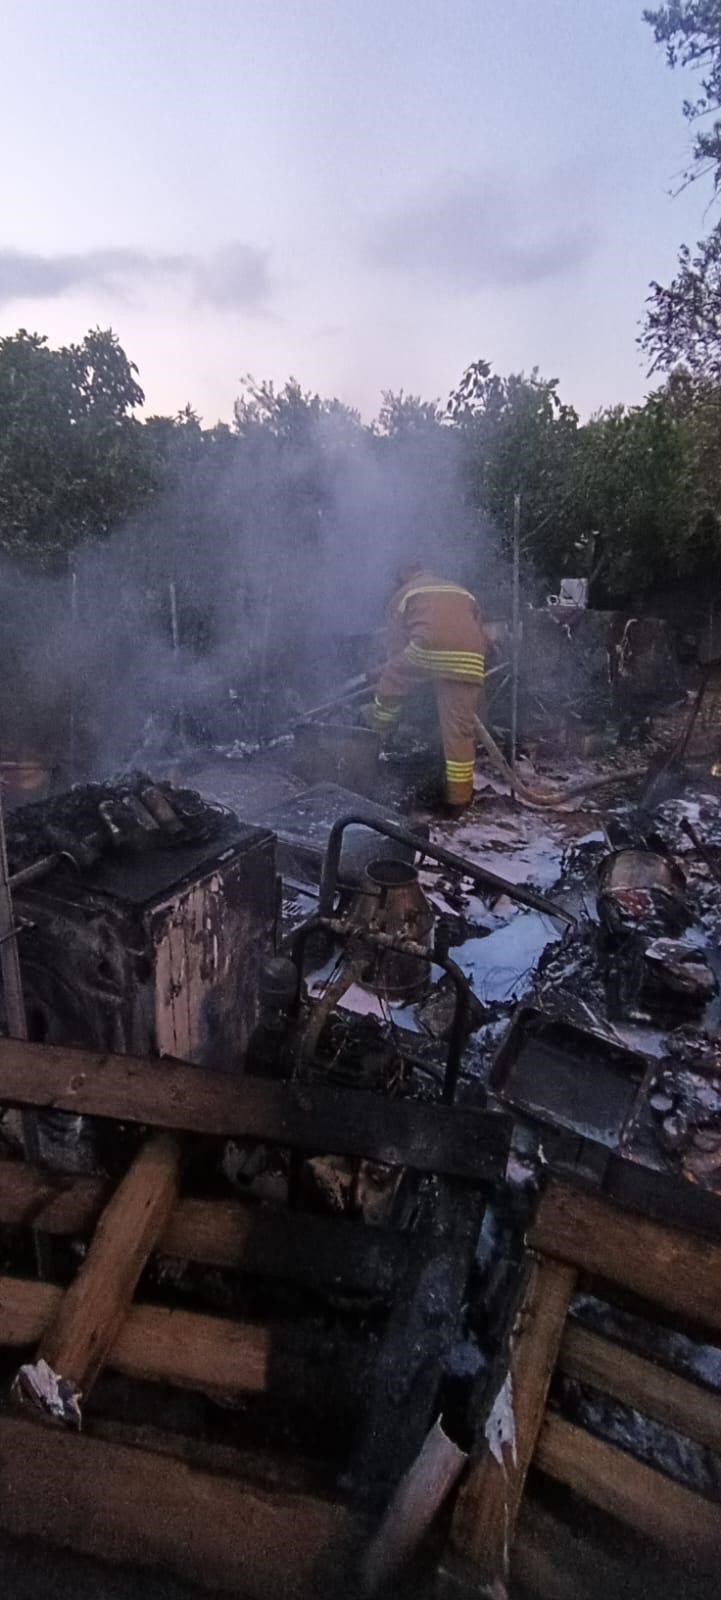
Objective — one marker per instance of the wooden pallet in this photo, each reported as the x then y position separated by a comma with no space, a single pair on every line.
678,1277
231,1516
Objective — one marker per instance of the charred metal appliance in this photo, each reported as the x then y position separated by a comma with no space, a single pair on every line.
156,951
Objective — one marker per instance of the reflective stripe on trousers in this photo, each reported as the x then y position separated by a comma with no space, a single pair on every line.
465,664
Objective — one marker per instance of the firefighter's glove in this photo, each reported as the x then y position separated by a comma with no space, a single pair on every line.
367,717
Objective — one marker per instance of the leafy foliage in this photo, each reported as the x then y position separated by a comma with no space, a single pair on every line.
633,497
73,460
683,319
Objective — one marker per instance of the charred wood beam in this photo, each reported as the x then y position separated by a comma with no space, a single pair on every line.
566,1559
665,1266
174,1095
666,1512
320,1252
510,1408
420,1331
273,1470
413,1508
127,1505
687,1407
91,1313
210,1354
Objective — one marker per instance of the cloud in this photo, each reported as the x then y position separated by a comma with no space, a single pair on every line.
237,276
469,233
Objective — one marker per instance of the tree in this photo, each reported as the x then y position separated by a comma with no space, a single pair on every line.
520,437
403,414
74,462
683,319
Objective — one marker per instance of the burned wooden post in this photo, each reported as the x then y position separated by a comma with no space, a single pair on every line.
415,1504
75,1346
419,1333
235,1234
615,1482
172,1094
511,1411
666,1266
123,1504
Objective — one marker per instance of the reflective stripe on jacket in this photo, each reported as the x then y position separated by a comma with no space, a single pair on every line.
437,626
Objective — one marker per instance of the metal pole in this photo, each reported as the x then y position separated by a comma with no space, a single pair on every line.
174,618
175,636
9,958
74,624
516,647
264,655
15,1018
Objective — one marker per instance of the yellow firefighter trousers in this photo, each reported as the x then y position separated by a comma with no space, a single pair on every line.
458,700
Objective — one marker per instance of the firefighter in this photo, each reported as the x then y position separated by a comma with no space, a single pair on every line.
435,634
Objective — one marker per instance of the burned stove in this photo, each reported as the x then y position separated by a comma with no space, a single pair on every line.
151,941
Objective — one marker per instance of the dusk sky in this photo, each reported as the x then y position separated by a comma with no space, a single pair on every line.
367,194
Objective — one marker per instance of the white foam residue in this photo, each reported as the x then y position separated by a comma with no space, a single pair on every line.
501,965
521,847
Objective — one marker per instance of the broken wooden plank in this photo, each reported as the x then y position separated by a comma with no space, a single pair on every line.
76,1343
668,1198
172,1094
665,1266
413,1509
508,1426
420,1330
273,1470
194,1351
648,1501
558,1560
322,1252
644,1385
64,1202
125,1505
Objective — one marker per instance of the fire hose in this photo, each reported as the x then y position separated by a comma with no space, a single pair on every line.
554,797
354,688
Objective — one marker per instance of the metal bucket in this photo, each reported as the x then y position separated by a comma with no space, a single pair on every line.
641,887
392,902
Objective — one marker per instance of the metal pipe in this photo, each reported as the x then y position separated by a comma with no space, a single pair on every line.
73,688
385,941
350,973
447,858
37,869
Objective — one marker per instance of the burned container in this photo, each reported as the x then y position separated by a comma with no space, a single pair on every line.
154,952
565,1076
391,902
641,891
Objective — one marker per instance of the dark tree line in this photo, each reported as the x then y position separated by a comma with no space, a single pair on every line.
631,497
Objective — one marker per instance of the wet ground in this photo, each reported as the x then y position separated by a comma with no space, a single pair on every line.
496,943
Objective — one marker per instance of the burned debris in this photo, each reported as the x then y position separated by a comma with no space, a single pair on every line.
375,1204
